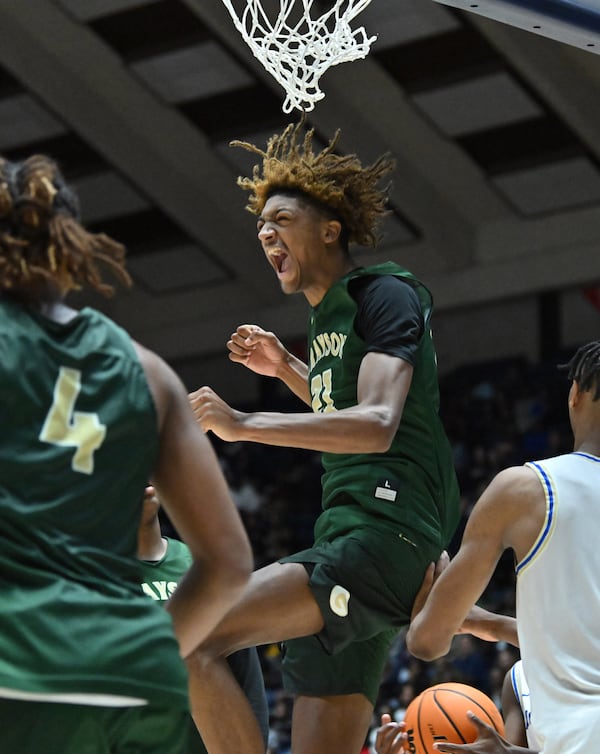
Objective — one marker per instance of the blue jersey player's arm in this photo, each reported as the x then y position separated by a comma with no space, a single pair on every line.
509,514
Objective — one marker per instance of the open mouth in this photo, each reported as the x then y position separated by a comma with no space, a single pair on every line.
278,259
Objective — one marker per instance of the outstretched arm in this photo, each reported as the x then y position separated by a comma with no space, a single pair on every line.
509,514
490,626
479,622
367,427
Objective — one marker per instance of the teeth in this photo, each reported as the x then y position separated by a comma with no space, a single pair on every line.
274,252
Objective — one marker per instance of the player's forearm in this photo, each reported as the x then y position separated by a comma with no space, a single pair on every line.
294,374
490,626
353,430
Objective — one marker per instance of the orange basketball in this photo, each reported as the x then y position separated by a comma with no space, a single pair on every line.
440,714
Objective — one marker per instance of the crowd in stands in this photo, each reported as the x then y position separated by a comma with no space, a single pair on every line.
497,414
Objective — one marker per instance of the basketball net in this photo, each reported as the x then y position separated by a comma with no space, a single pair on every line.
297,49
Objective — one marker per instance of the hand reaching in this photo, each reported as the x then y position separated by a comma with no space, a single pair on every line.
431,576
489,741
391,738
260,351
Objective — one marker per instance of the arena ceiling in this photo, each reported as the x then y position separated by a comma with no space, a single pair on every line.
496,133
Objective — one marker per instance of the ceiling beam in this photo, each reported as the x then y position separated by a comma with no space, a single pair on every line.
565,77
82,80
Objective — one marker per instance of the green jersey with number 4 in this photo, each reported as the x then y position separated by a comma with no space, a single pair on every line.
79,440
411,488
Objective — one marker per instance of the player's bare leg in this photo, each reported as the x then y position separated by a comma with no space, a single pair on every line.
276,605
216,694
332,724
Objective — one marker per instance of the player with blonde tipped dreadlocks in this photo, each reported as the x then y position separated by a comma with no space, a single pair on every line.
336,183
87,662
389,493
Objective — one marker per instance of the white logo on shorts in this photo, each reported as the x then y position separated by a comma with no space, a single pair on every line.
338,600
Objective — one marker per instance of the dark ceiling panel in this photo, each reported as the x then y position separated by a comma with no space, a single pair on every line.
144,231
75,157
225,116
9,85
148,30
520,145
438,61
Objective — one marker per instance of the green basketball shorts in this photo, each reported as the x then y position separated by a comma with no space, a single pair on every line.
365,583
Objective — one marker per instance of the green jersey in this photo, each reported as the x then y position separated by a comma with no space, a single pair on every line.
159,580
79,440
412,487
160,577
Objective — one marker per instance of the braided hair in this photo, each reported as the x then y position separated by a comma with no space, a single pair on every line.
43,245
584,368
338,183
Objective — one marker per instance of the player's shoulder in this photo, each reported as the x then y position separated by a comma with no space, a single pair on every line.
516,478
384,291
381,280
514,490
164,384
157,370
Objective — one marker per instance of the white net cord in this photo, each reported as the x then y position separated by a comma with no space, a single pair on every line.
297,49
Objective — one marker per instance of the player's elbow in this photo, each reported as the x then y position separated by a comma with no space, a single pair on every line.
236,565
425,647
227,566
385,426
243,568
423,651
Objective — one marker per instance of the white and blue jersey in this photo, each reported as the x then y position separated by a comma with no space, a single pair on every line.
523,697
558,607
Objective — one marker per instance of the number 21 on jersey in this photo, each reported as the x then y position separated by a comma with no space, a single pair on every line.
66,427
320,389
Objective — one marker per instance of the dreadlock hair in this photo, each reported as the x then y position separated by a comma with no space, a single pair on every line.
584,368
338,183
42,242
